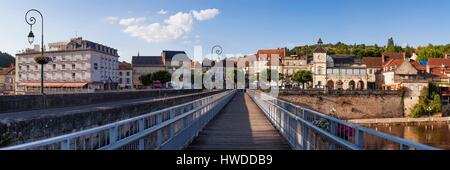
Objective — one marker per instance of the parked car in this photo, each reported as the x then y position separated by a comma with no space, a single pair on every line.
157,85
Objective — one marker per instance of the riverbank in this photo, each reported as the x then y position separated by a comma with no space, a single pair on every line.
404,121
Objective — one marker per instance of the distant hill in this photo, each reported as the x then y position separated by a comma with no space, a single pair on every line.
6,59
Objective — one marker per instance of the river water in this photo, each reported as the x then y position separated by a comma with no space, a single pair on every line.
432,134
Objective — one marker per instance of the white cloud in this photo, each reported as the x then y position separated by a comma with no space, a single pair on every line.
112,20
175,27
162,12
132,21
206,14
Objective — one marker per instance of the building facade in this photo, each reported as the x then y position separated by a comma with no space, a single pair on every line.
125,76
337,72
7,80
77,66
374,67
143,65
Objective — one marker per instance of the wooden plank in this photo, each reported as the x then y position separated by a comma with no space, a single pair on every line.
241,125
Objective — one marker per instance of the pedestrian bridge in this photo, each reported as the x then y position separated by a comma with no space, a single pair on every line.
231,120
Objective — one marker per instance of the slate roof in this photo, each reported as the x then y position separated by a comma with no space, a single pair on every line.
147,61
170,54
345,60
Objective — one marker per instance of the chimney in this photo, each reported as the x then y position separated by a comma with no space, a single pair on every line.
428,69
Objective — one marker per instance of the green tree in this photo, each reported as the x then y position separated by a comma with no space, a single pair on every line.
146,79
6,59
161,76
302,76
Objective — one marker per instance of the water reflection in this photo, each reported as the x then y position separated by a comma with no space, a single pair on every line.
433,134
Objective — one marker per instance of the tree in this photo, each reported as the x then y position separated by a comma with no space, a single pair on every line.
390,42
146,79
161,76
6,59
302,76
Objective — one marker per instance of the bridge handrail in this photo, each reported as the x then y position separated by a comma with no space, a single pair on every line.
204,106
360,130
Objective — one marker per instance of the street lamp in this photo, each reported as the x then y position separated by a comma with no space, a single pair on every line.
31,21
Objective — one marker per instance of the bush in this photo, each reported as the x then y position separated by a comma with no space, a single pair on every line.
428,104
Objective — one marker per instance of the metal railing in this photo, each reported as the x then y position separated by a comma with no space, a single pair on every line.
168,129
306,129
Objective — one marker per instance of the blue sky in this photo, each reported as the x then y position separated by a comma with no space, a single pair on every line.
239,26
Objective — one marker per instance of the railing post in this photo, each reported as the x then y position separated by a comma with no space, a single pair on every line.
159,131
141,128
404,147
113,135
65,145
359,138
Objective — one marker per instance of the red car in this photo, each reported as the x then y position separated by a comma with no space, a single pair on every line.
157,85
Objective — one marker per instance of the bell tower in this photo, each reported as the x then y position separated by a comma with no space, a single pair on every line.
319,68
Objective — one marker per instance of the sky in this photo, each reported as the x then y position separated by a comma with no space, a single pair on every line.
238,26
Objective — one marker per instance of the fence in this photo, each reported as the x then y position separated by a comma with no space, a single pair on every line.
172,128
306,129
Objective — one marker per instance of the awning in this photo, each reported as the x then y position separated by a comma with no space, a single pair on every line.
55,85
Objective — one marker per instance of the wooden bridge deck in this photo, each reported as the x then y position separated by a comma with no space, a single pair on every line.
241,125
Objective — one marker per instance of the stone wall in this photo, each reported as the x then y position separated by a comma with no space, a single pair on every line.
33,102
31,129
351,106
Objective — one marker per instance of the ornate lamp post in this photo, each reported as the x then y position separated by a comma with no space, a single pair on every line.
41,59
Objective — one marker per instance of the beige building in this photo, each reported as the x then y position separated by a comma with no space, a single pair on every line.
125,75
337,72
291,65
143,65
7,80
77,66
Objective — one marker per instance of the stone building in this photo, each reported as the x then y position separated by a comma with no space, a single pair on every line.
143,65
77,65
398,71
168,57
7,80
374,67
125,75
292,64
337,72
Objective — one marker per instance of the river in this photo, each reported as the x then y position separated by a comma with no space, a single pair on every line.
432,134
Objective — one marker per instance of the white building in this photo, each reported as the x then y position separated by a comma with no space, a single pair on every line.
78,66
125,76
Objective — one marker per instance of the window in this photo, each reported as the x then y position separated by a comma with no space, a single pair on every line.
20,67
73,75
128,80
128,73
28,67
120,80
73,66
36,67
95,66
120,73
54,66
63,66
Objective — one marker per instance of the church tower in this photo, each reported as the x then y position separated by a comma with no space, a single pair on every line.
319,68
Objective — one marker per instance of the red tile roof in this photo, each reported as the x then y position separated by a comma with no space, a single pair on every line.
7,70
373,62
281,53
438,62
125,66
418,66
392,56
393,62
